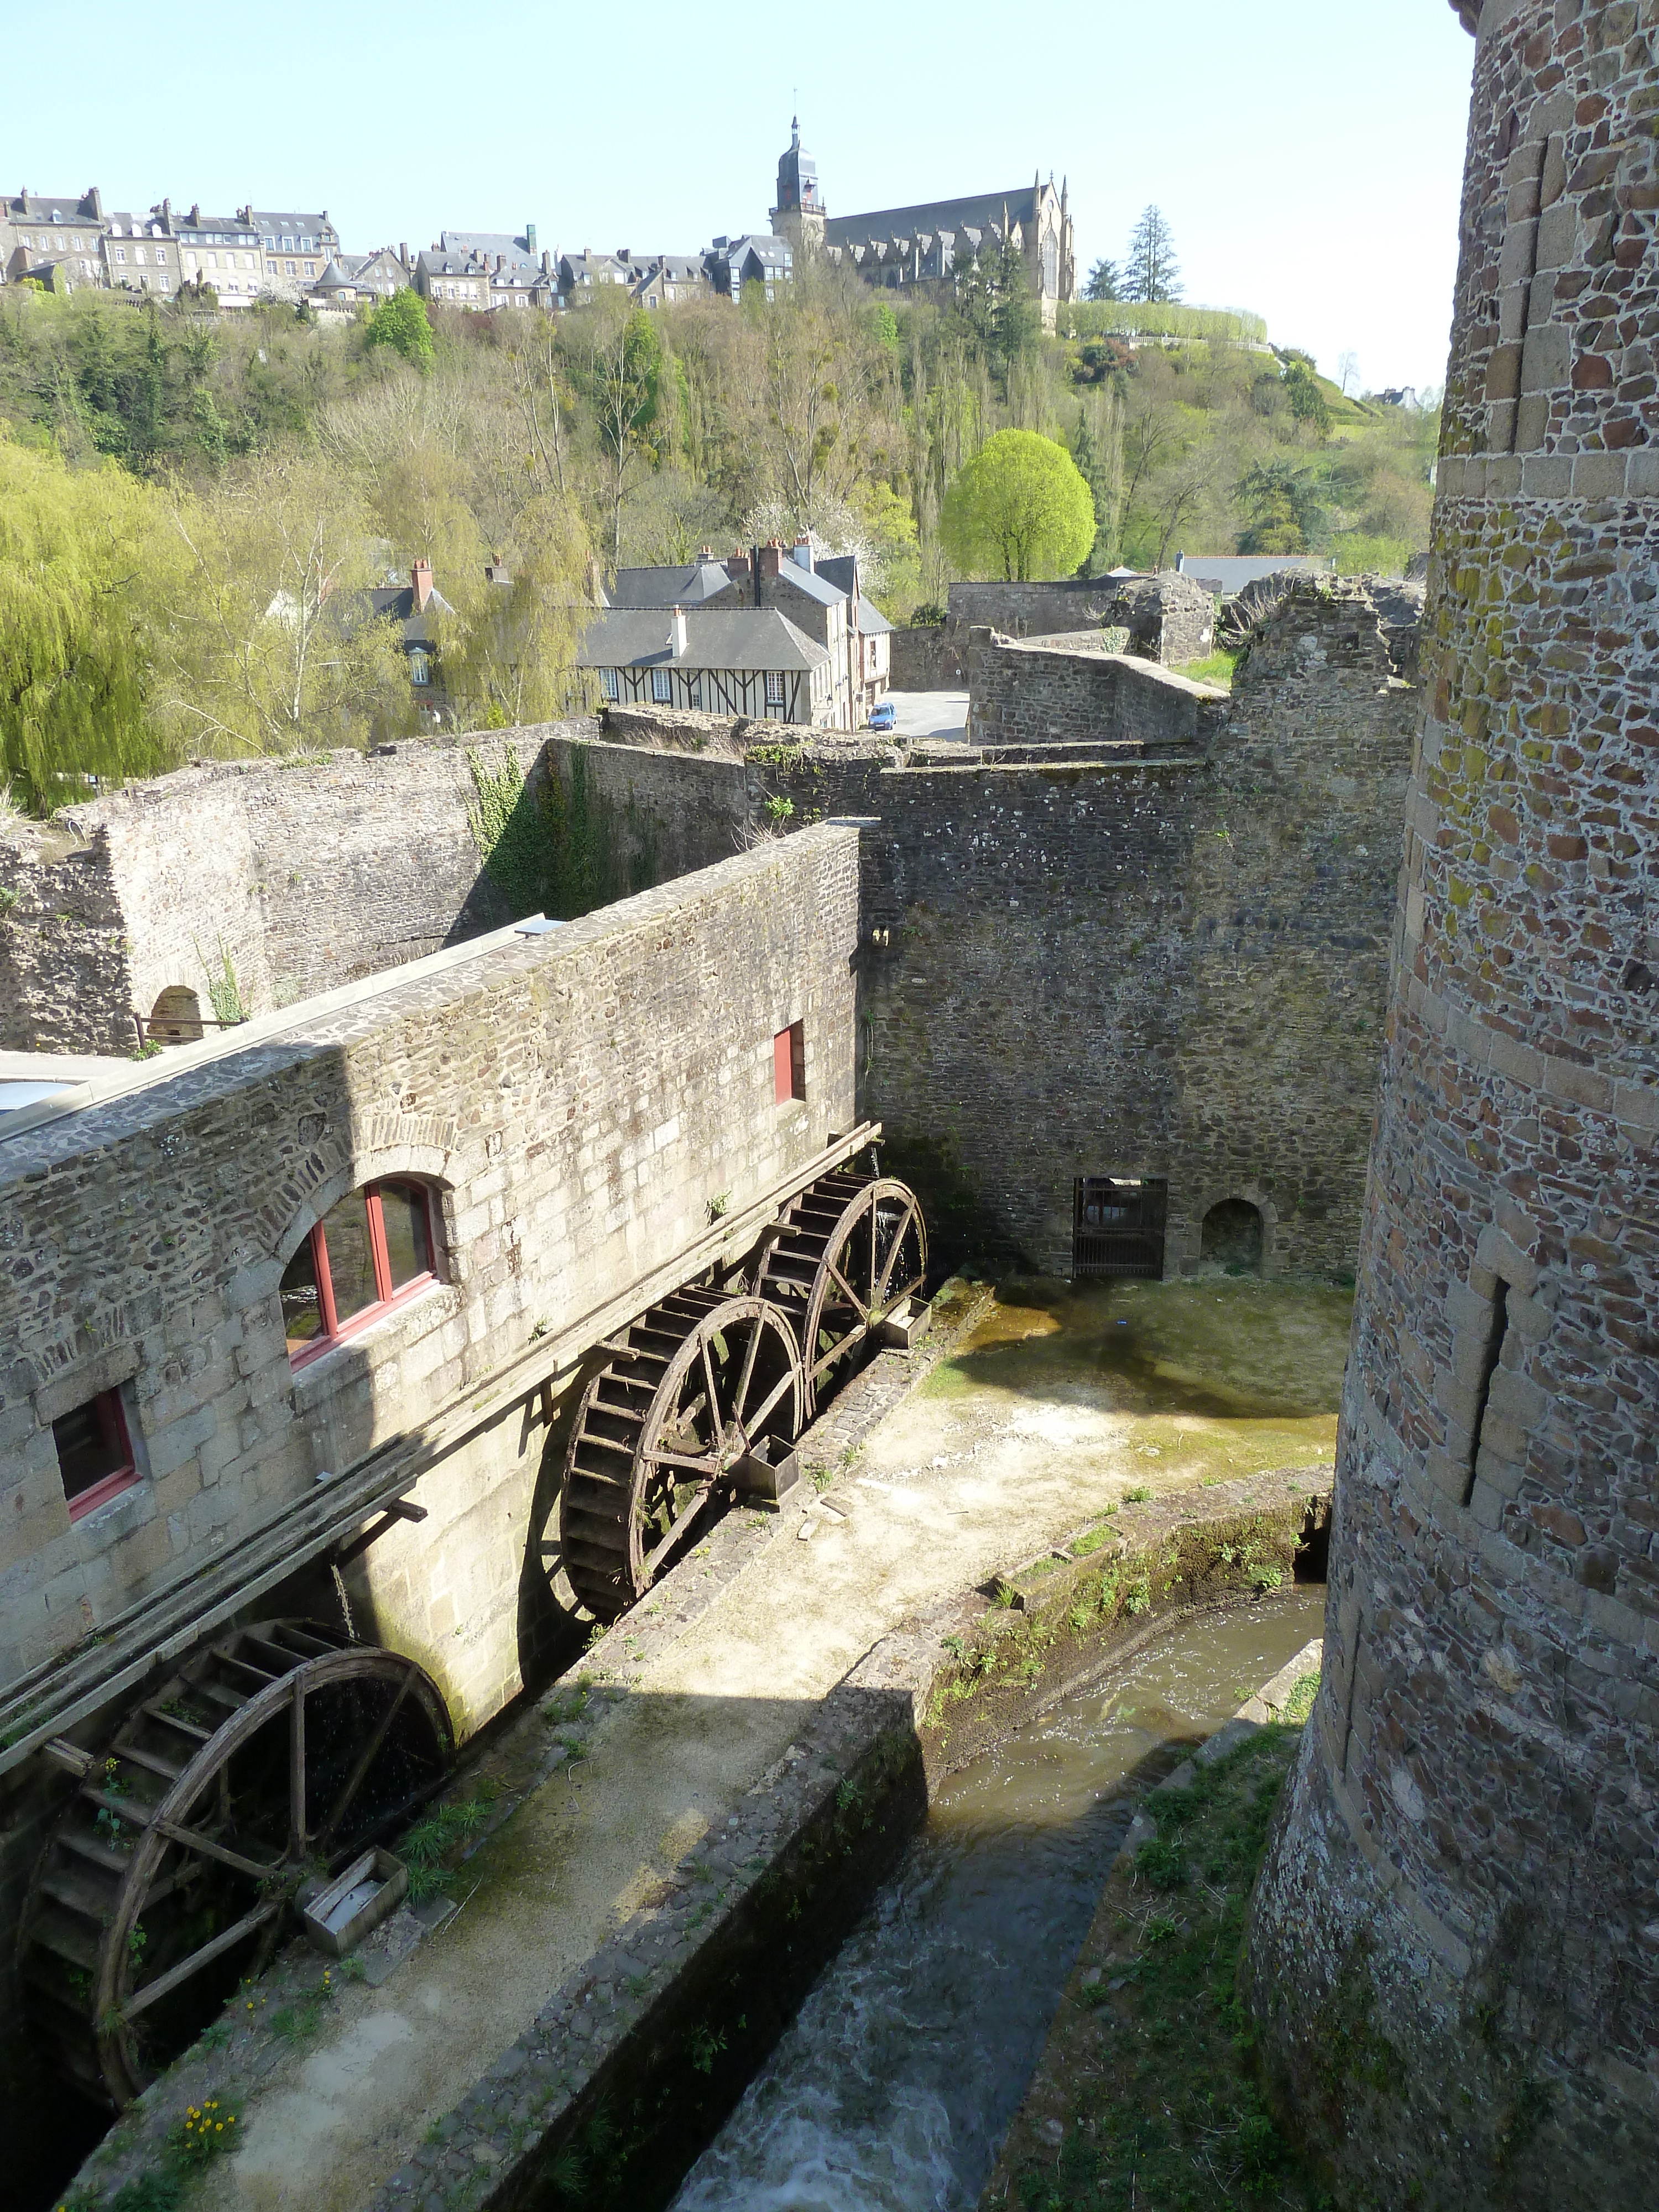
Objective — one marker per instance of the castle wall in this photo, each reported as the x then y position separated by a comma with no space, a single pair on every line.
1171,965
1461,1896
575,1100
1169,618
1055,690
308,873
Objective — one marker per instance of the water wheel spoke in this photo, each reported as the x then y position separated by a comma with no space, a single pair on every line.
152,1992
898,1246
836,1276
740,1395
676,1522
715,1424
709,1463
296,1773
364,1759
209,1847
773,1398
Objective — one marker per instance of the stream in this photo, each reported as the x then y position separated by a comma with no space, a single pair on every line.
893,2088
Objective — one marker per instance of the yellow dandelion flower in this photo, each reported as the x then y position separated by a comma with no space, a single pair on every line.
218,2127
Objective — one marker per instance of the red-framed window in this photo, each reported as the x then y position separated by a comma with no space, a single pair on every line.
95,1453
789,1063
371,1252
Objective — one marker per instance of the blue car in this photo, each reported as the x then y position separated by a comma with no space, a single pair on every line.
882,717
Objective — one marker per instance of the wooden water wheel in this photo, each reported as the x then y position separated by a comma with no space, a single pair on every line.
272,1755
695,1385
851,1248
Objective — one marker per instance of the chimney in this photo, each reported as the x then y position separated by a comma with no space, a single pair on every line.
421,577
547,263
768,559
705,552
530,239
677,635
803,554
403,253
738,566
95,201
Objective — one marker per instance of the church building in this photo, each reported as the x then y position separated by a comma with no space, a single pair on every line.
897,247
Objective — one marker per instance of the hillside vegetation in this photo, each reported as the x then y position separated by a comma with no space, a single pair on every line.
205,490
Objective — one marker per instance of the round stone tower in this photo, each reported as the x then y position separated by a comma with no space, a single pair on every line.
1454,1953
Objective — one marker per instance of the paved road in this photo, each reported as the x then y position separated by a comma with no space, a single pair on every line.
930,714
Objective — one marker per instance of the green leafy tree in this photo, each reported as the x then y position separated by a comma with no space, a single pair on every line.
1308,404
1283,508
80,553
1103,282
1152,272
1019,509
401,323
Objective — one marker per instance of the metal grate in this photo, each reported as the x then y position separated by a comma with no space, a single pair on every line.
1117,1226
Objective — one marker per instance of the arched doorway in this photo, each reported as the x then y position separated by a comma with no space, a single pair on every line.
1232,1238
176,1016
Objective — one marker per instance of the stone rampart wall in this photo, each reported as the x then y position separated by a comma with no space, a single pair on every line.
1169,618
930,658
1055,691
308,873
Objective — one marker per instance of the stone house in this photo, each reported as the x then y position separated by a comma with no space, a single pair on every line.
140,253
224,252
757,257
296,247
37,230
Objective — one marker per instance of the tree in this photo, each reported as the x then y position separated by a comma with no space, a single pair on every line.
617,365
1153,273
401,323
1097,449
80,553
1282,507
1019,509
1103,282
1308,402
1347,368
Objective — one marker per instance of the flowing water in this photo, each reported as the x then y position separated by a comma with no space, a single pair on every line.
893,2088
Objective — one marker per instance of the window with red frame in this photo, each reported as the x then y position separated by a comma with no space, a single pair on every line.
789,1064
370,1252
95,1453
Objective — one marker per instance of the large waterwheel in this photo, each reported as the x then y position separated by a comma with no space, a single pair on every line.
274,1754
851,1249
694,1386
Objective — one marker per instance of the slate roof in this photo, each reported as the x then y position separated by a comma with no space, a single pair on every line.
489,241
715,637
809,581
668,587
980,211
36,207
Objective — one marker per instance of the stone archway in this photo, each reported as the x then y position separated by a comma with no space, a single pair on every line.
176,1016
1233,1235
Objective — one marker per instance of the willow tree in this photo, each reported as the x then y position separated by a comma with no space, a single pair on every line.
82,555
1019,510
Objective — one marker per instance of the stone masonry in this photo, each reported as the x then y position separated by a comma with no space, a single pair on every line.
309,872
1455,1951
581,1104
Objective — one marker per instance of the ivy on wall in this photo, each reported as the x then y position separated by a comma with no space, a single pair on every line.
556,845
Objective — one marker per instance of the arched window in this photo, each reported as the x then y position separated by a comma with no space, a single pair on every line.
1231,1236
176,1016
372,1251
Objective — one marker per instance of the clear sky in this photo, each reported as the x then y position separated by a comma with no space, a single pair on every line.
1306,152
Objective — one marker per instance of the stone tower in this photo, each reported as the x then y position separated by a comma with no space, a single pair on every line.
798,214
1454,1954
